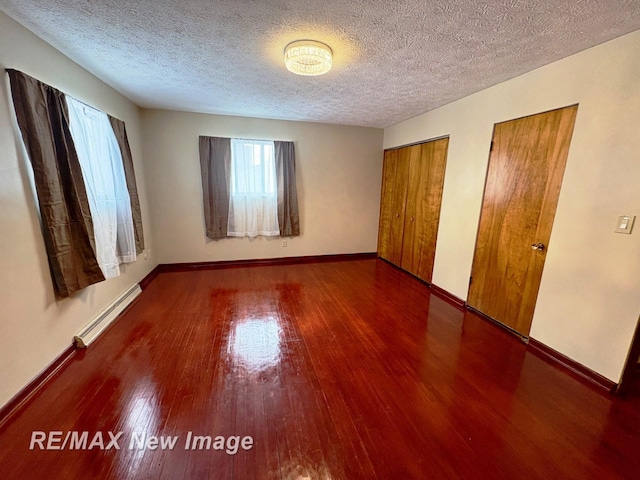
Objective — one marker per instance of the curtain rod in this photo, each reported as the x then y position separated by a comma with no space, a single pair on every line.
249,139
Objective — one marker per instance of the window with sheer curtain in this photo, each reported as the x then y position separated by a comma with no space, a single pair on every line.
250,191
253,189
56,130
104,177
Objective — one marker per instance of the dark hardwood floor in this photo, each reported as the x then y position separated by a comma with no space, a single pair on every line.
345,370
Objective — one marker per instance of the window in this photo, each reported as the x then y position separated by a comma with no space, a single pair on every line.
46,118
253,191
248,187
104,178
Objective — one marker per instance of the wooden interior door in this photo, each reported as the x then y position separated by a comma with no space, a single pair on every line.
526,167
392,206
427,162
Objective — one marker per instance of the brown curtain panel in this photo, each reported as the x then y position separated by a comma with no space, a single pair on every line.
130,175
288,217
215,167
67,227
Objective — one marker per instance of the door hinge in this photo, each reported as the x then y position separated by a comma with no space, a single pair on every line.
470,279
491,148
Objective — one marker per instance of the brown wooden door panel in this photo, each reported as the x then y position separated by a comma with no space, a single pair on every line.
399,206
428,209
424,198
523,183
415,179
386,203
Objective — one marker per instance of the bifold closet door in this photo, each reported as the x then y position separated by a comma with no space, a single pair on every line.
413,179
392,209
427,162
386,202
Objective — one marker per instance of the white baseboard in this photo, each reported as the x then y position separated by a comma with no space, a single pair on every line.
108,315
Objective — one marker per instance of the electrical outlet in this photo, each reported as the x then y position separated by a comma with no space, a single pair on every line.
147,254
284,243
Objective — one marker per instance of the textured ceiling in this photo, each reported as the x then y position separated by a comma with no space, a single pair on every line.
392,59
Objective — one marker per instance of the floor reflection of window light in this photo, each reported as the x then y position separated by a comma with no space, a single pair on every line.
255,343
141,419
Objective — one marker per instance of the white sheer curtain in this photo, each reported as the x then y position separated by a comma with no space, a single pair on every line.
253,196
106,185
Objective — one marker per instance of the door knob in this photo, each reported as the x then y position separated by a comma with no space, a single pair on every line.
538,246
397,215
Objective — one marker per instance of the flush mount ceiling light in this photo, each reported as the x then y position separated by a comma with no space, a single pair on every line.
308,57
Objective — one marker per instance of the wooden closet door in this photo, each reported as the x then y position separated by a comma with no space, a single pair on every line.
523,182
427,162
386,203
392,205
399,206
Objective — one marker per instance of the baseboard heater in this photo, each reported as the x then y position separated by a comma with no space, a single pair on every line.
108,315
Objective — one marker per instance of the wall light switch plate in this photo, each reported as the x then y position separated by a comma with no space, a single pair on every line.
625,224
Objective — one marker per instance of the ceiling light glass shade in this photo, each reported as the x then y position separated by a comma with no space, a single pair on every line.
307,57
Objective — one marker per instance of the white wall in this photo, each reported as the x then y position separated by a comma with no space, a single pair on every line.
34,328
338,172
589,298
